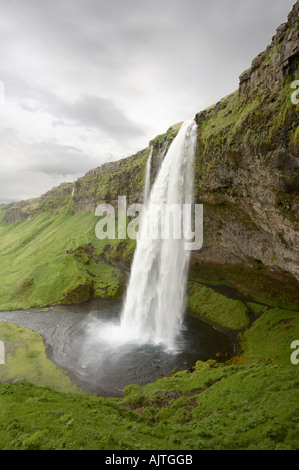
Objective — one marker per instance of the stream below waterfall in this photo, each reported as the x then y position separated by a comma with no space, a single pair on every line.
86,342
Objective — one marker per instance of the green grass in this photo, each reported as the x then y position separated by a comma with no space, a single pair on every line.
34,418
215,308
231,115
52,259
269,338
231,407
25,359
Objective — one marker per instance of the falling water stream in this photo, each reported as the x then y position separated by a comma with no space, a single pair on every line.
147,181
105,345
155,300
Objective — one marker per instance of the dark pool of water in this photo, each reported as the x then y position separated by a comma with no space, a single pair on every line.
80,339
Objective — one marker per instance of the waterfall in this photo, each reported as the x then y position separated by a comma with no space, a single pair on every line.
147,182
155,299
147,179
162,151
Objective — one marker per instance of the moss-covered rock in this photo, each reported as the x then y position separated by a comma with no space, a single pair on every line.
78,294
217,309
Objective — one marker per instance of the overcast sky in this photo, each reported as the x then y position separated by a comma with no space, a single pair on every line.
90,81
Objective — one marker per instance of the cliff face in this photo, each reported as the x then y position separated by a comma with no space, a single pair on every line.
247,163
279,60
246,168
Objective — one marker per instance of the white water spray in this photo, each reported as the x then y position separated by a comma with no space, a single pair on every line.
155,300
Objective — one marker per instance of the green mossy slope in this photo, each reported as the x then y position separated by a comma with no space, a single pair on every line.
217,309
230,407
25,359
270,336
54,258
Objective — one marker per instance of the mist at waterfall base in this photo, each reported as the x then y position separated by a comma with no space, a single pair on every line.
151,321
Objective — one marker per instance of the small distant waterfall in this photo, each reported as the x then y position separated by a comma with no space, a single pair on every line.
147,182
155,300
162,151
147,179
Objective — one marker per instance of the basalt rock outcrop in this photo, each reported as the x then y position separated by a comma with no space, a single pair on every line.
247,166
279,60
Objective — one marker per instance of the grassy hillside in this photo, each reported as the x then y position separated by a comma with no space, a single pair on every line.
54,258
249,404
25,359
